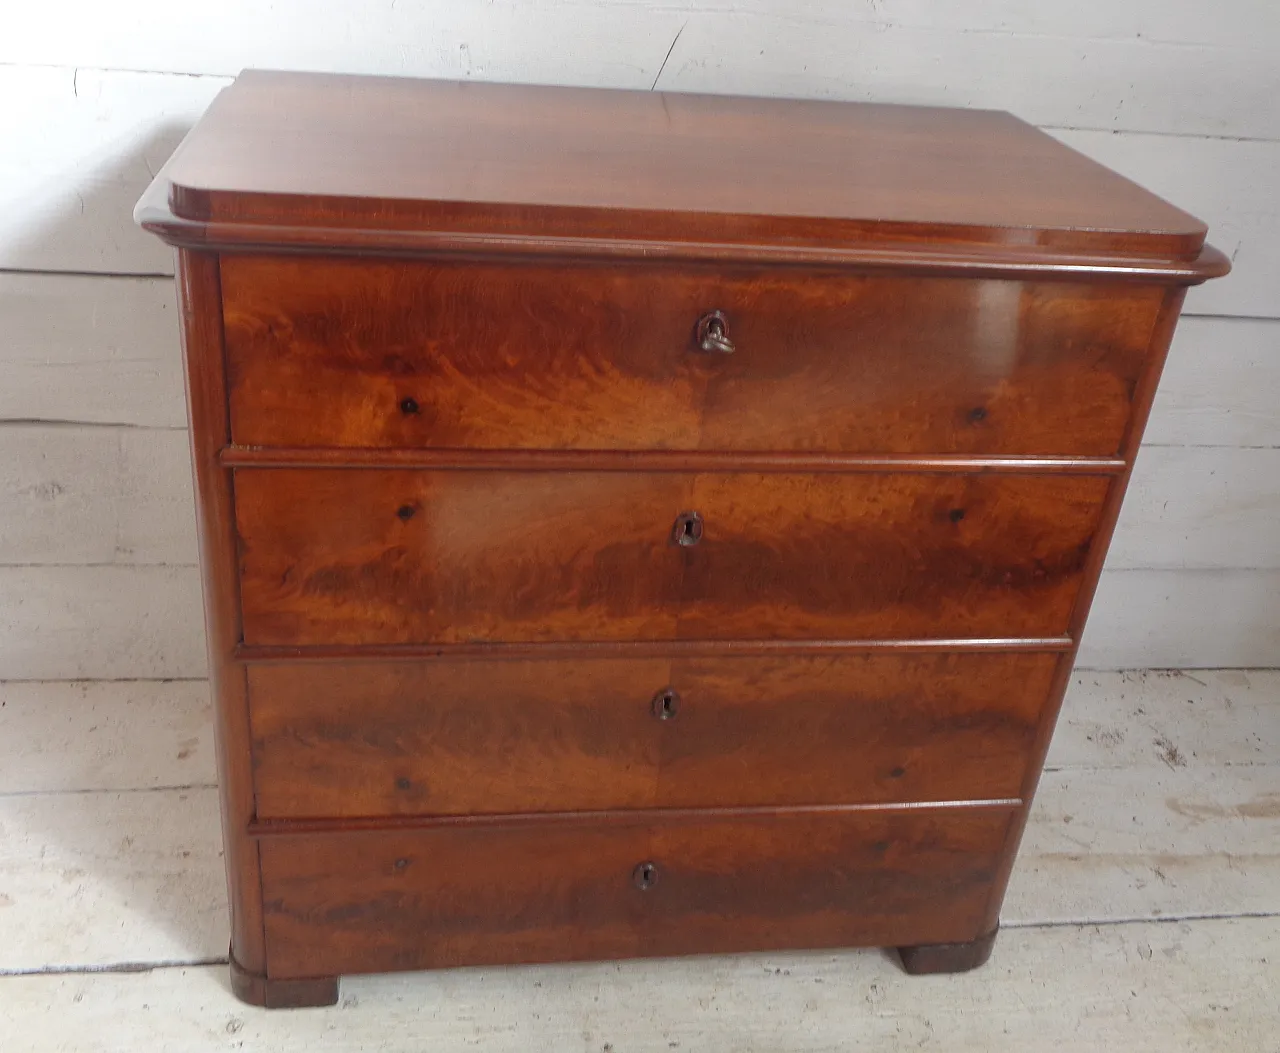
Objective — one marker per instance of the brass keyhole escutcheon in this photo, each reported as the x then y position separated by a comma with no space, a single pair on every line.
688,529
644,876
712,334
666,703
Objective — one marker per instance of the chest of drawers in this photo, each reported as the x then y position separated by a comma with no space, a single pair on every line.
641,524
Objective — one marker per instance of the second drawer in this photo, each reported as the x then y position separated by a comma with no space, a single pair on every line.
356,556
471,737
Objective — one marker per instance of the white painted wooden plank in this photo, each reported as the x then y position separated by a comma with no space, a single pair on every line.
79,348
1200,507
100,622
105,735
1128,83
1230,185
78,162
1165,719
1123,843
1203,70
1184,619
1153,988
80,146
1219,385
71,494
101,878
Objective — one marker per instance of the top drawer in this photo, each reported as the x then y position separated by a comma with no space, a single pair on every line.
383,354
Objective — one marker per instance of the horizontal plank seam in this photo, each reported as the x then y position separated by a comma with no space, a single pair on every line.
1164,919
105,790
45,272
104,680
69,422
197,963
116,967
1210,136
99,566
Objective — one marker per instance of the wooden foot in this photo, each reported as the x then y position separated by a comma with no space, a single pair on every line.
947,957
263,991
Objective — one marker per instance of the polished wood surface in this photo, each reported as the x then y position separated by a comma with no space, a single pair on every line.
481,355
552,892
642,524
199,296
379,152
372,557
475,737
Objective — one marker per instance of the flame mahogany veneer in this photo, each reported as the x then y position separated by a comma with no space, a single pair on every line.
642,524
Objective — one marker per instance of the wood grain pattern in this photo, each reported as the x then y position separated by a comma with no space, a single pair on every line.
507,337
521,893
401,557
199,297
325,352
474,736
278,147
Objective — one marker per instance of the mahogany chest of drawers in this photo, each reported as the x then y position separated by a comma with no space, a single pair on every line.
642,524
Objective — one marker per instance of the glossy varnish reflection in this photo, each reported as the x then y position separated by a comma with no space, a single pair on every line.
569,356
526,892
643,524
480,737
369,557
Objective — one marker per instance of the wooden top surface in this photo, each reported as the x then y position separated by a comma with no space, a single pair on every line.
311,150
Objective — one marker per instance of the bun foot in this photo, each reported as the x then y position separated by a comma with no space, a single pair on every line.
268,993
947,957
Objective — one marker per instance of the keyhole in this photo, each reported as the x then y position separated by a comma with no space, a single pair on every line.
644,876
665,703
688,529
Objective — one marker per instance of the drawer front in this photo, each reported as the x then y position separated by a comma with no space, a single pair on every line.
361,353
376,557
471,737
546,891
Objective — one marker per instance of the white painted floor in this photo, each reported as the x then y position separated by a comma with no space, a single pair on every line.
1144,913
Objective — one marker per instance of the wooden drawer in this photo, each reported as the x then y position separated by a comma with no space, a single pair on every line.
360,556
459,737
550,890
362,353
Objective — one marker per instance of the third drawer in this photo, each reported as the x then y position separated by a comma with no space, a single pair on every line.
470,736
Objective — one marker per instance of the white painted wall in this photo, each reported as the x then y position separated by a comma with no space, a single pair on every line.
97,553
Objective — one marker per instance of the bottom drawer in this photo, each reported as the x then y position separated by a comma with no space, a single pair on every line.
626,885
